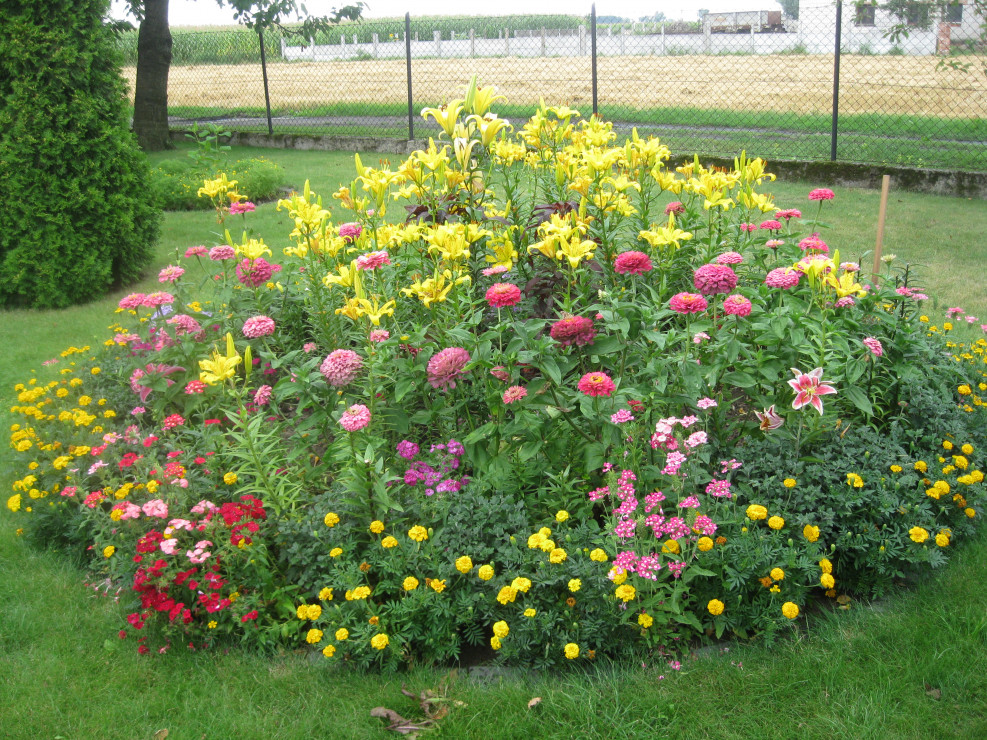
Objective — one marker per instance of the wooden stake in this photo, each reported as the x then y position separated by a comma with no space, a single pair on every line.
885,186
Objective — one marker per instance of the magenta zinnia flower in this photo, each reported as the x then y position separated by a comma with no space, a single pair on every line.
576,330
730,258
258,326
821,194
736,305
373,260
632,263
254,272
596,384
713,279
808,388
356,417
446,366
771,225
687,303
813,243
782,277
242,207
502,295
134,300
341,367
350,231
788,213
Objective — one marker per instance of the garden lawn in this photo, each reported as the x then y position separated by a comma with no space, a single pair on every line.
913,666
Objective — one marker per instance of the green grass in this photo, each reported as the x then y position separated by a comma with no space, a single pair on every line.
913,666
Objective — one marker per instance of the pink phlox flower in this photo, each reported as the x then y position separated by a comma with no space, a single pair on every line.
719,488
689,502
676,568
204,507
309,347
748,228
172,421
648,567
156,508
695,439
622,417
808,388
176,524
627,506
194,387
625,528
672,463
676,527
700,337
168,546
688,421
705,525
730,464
652,500
96,466
407,449
626,560
656,522
598,493
706,403
69,491
971,319
127,509
93,499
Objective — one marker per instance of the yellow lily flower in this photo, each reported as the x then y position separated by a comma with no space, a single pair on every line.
220,367
489,126
574,250
351,309
374,311
214,188
665,235
480,99
446,116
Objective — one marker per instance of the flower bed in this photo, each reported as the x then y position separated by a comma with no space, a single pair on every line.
573,403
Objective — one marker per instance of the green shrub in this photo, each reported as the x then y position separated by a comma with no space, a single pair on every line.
76,218
175,184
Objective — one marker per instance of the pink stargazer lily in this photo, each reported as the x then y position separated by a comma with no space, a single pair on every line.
769,419
808,387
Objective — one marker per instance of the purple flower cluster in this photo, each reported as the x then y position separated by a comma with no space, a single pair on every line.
437,474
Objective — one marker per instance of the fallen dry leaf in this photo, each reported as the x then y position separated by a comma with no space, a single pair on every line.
534,702
400,724
934,693
161,734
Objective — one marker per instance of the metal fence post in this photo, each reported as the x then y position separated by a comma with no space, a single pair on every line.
592,28
407,58
836,80
267,95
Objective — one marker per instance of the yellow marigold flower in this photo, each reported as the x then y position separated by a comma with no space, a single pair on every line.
571,651
970,512
410,583
535,540
756,511
961,462
335,552
895,468
598,556
314,636
963,390
777,574
361,592
625,592
825,566
14,502
947,445
329,651
645,620
918,534
617,575
575,584
977,476
827,581
521,584
506,594
561,515
967,449
230,478
389,542
500,629
342,634
921,466
418,533
933,493
705,544
313,612
464,564
810,532
380,641
776,522
790,483
547,545
942,540
495,642
485,572
715,607
790,610
854,480
671,546
545,532
108,551
436,585
557,555
331,519
376,526
776,589
924,319
325,594
529,612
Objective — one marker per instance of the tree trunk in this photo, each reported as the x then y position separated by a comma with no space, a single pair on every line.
151,88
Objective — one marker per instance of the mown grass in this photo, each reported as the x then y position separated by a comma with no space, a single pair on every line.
913,666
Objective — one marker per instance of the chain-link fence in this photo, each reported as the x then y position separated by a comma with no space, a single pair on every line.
830,84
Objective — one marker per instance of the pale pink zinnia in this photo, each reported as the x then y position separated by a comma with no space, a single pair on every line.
379,335
223,252
821,194
687,303
736,305
356,417
132,301
813,243
576,330
788,213
782,277
632,263
874,345
158,298
596,384
500,372
170,274
373,260
503,295
808,388
774,243
241,207
495,270
730,258
713,279
258,326
341,367
446,366
196,251
515,393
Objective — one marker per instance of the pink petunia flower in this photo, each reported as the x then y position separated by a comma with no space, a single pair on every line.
808,388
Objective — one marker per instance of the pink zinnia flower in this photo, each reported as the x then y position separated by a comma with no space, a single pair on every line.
769,419
632,263
254,272
774,243
185,324
788,213
242,207
874,345
223,252
782,277
373,260
341,367
745,227
495,270
379,335
263,395
515,393
576,330
850,267
158,298
356,417
503,295
500,373
813,243
132,301
736,305
258,326
771,225
821,194
622,417
808,388
197,251
170,274
674,207
950,312
730,258
350,231
687,303
309,347
845,301
713,279
596,384
446,366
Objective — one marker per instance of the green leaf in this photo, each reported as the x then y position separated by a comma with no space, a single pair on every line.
593,456
551,369
740,379
402,386
859,399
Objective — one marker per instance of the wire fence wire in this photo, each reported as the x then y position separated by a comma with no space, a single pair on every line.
829,85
